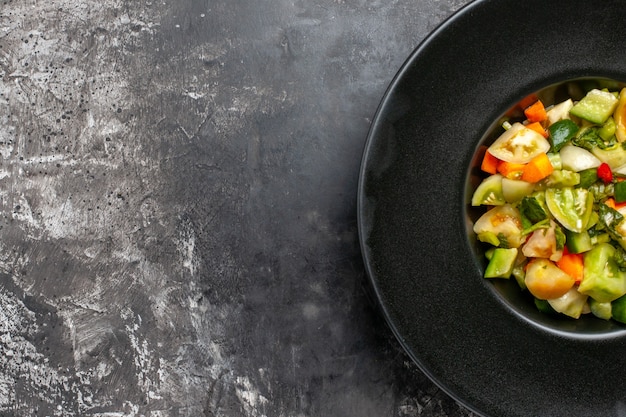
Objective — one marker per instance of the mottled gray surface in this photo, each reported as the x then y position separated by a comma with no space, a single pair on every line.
177,208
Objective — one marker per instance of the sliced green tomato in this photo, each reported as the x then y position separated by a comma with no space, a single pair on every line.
489,192
519,145
515,190
503,221
571,207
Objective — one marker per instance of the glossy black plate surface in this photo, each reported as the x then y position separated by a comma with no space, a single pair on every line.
491,352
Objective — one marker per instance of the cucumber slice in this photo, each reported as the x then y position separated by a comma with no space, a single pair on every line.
501,263
620,191
607,130
618,309
596,106
561,133
577,242
588,177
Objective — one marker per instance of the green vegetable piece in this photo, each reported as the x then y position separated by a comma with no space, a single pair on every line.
588,177
544,306
503,221
571,303
618,309
620,191
601,190
501,263
561,178
603,281
600,238
489,237
589,138
607,130
600,310
514,190
595,107
560,237
593,220
571,207
555,160
620,257
613,154
529,228
531,209
561,133
577,242
611,220
489,192
520,274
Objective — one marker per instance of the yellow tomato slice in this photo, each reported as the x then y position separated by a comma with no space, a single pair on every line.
546,281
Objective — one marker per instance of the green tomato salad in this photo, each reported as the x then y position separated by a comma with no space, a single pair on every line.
552,200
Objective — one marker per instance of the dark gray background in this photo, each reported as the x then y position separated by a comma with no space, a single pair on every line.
178,208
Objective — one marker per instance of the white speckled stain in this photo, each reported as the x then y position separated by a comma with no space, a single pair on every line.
187,247
250,397
59,216
22,361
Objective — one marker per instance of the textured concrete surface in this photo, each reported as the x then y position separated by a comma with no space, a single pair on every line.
177,208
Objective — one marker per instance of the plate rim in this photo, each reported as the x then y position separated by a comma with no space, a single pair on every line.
404,67
461,13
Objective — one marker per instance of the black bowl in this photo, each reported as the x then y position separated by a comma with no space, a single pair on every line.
522,303
480,341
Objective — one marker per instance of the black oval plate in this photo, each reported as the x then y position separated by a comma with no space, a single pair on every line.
412,214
